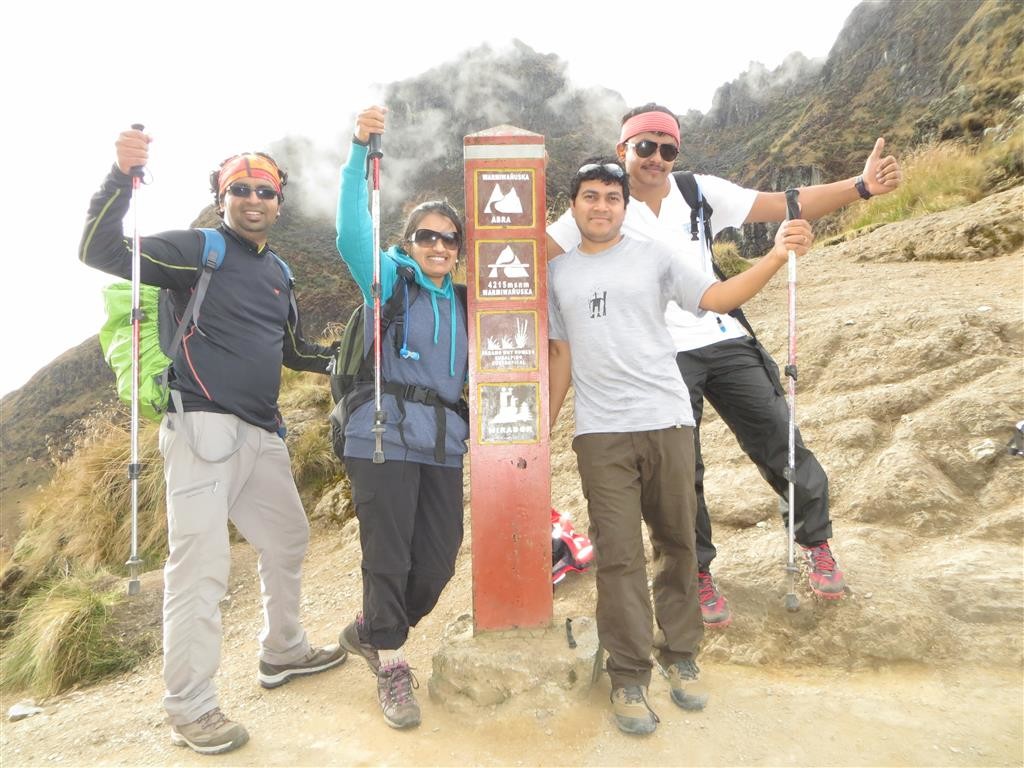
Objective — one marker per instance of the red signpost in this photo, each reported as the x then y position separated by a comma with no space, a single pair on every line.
510,465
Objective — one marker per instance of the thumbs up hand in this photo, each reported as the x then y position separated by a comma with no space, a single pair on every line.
881,174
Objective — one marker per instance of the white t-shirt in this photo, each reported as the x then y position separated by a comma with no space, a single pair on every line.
610,307
731,204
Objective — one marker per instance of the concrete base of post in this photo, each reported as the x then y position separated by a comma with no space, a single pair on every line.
487,669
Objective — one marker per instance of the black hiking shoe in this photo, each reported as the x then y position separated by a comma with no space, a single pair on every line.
210,734
632,713
394,691
316,660
354,640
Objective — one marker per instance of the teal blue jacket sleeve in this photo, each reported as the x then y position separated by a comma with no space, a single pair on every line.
355,228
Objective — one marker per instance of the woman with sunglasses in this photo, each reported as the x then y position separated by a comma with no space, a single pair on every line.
410,506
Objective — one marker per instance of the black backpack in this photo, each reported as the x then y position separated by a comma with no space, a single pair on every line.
700,213
351,375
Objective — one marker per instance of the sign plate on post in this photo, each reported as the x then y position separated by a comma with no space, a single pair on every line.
510,465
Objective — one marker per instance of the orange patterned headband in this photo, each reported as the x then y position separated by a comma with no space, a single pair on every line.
248,166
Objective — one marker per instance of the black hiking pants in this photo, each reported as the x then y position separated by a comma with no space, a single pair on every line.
741,381
410,530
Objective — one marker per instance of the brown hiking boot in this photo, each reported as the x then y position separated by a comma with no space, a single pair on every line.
632,714
394,691
210,734
353,639
681,675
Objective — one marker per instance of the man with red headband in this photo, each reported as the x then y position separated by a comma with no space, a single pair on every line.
715,354
224,456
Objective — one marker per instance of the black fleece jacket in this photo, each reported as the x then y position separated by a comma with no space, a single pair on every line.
247,328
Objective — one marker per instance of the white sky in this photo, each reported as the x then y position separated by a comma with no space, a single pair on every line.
212,78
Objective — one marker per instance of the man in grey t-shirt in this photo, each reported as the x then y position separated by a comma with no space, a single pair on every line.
634,428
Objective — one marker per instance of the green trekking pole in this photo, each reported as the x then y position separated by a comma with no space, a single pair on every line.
135,467
792,601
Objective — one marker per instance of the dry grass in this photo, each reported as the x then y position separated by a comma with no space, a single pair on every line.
60,639
937,177
82,520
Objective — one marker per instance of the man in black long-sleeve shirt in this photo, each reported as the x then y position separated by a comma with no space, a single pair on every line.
224,456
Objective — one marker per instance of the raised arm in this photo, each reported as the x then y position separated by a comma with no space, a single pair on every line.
354,225
880,176
725,296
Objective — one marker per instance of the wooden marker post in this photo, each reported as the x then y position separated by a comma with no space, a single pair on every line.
510,463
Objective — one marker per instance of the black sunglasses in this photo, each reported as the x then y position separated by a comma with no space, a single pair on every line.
428,238
646,148
612,168
244,190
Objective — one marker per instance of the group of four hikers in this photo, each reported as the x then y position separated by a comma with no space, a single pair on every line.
641,367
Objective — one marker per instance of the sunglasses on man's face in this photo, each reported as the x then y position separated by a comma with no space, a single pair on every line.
244,190
427,238
646,148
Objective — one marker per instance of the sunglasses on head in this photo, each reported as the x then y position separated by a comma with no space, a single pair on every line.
244,190
612,168
646,148
427,238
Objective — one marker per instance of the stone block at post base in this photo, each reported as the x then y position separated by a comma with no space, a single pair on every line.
490,668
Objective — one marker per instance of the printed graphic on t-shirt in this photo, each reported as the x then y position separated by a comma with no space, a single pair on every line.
599,304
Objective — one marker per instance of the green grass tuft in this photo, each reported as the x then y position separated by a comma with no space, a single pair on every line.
60,639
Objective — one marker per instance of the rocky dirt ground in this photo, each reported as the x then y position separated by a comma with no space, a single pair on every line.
910,350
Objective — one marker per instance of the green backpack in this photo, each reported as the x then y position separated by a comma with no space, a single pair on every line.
156,345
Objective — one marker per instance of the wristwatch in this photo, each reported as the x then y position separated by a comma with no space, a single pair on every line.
862,189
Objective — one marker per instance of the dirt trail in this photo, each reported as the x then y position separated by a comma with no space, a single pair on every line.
910,380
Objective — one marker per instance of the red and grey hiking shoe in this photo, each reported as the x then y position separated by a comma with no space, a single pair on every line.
825,578
714,608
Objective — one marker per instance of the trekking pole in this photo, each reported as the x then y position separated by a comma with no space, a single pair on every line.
378,428
135,467
792,212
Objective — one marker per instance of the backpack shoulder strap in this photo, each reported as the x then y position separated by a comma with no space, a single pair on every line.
213,257
462,291
700,211
700,208
290,279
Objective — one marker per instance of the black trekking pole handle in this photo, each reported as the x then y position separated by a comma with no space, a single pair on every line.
792,206
375,146
137,170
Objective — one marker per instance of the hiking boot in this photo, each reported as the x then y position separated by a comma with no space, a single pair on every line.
826,579
210,734
316,660
680,675
353,639
632,713
714,608
394,691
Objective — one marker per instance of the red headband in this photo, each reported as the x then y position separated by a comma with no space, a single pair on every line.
248,166
656,122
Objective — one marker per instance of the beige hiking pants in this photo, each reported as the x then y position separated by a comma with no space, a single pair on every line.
255,490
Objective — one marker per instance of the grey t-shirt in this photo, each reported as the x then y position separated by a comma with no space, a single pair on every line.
610,308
